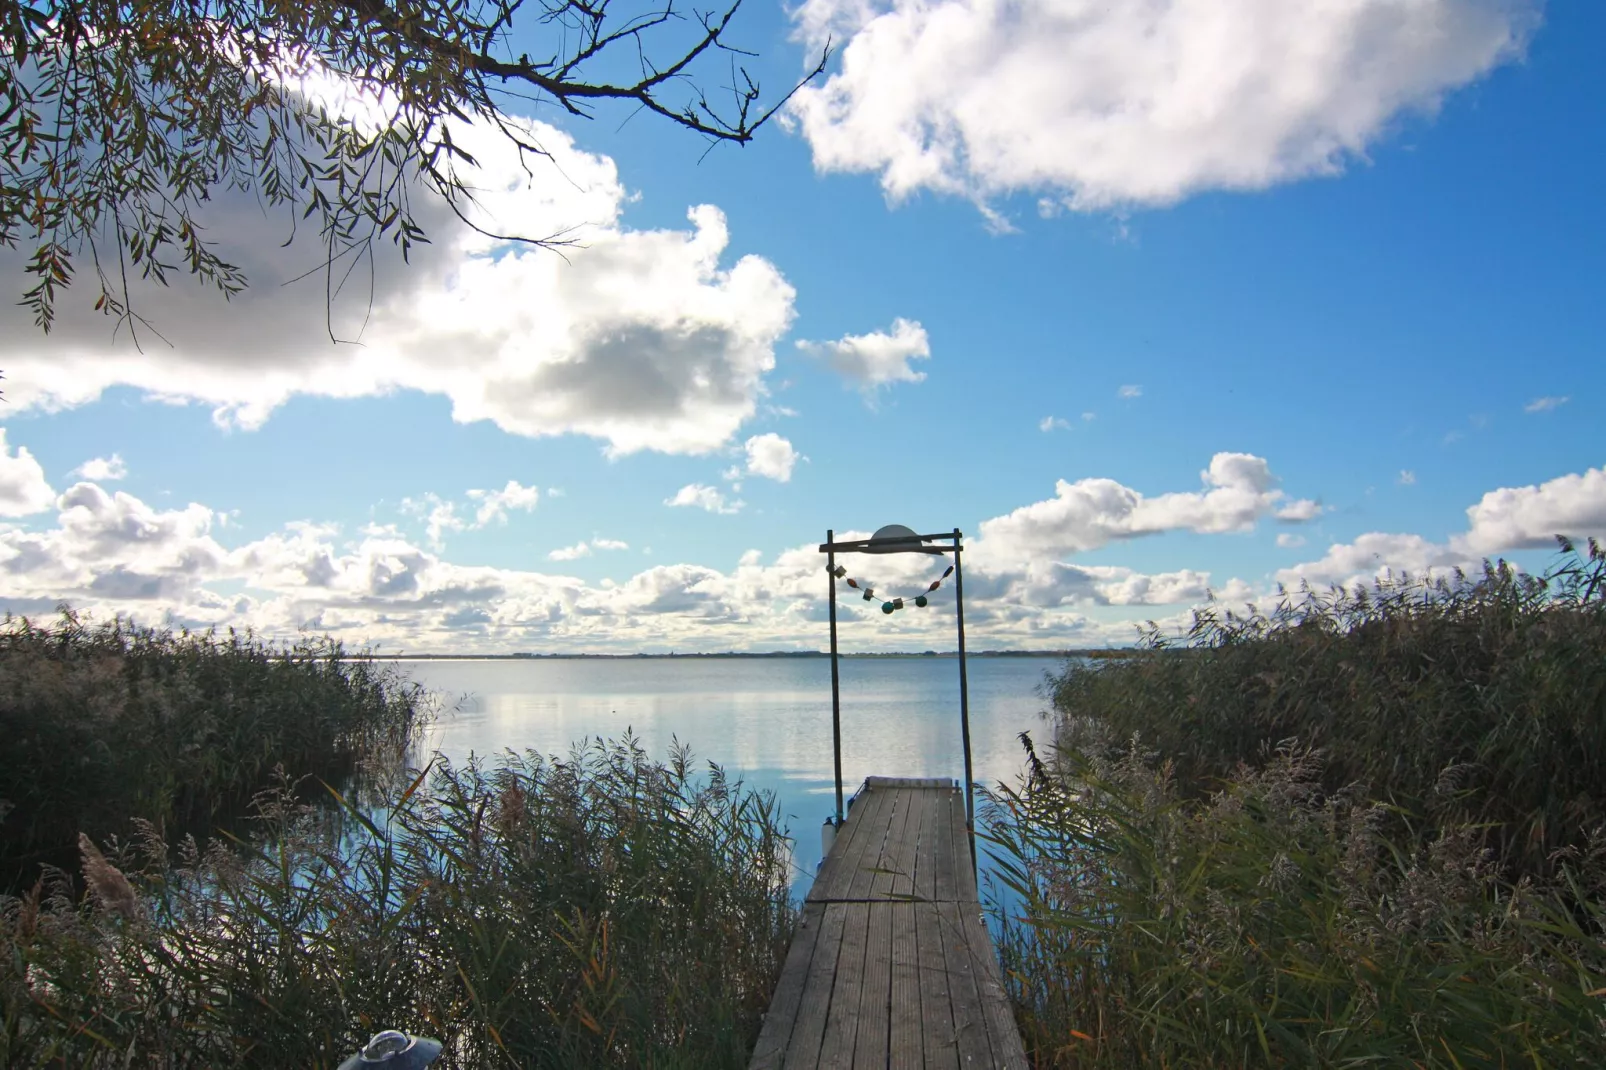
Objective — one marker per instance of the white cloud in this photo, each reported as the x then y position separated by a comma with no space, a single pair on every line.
101,469
1103,105
1297,512
1545,404
1090,513
771,456
1287,540
875,359
1514,518
1510,518
494,504
1373,554
1053,423
439,516
703,497
1407,478
585,549
1129,392
1090,416
111,553
642,339
490,506
23,490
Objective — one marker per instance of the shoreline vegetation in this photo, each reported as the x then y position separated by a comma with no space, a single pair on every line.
1361,827
218,857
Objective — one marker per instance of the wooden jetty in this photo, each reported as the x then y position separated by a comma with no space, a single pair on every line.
892,966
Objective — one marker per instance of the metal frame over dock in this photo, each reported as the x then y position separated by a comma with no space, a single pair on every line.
892,965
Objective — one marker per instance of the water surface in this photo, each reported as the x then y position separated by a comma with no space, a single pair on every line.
767,720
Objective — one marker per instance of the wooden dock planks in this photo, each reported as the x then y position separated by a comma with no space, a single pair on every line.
892,966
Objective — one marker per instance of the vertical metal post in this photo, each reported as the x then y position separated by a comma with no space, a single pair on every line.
836,687
964,697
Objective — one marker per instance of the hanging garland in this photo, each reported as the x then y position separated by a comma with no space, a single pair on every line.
897,603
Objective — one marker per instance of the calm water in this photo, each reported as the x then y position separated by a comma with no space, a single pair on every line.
768,720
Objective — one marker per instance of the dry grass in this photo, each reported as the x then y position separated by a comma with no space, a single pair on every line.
603,911
107,723
1365,829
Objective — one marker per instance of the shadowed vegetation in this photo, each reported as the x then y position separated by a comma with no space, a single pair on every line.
601,911
110,722
1367,828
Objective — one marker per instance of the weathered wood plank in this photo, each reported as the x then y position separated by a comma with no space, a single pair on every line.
936,1015
892,965
803,1050
870,1046
861,829
925,882
906,1051
896,855
964,867
1002,1032
842,1022
909,782
770,1052
893,803
964,996
945,885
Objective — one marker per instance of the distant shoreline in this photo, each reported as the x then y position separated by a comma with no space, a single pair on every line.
1110,653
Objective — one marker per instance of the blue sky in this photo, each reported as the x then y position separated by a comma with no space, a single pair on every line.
1161,300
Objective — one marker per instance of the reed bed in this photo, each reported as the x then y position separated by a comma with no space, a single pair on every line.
1362,829
108,722
604,910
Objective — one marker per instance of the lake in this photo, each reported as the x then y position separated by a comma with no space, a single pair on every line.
767,720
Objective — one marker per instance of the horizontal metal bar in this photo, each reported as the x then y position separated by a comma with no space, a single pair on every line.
859,545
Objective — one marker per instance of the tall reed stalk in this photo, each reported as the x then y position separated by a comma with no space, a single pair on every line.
1366,828
601,911
107,722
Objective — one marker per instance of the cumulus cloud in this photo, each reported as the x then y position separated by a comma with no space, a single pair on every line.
1053,423
1545,404
1407,478
1297,512
23,490
1287,540
642,339
1103,106
1503,520
703,496
1373,554
494,504
1514,518
112,552
771,456
875,359
585,549
101,469
1239,489
1129,392
438,514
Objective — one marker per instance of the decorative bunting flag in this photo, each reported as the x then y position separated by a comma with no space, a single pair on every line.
895,604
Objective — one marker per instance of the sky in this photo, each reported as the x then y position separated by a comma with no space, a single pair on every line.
1156,302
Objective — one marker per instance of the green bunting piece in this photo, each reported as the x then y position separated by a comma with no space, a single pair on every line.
895,604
